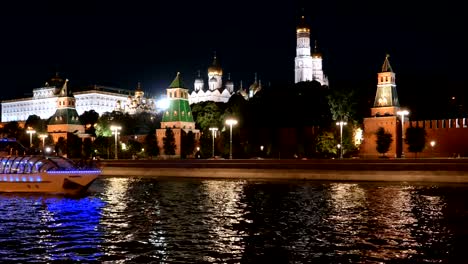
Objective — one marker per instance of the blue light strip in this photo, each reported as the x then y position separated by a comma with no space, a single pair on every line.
23,179
74,172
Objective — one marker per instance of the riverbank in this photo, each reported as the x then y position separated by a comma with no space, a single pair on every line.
396,170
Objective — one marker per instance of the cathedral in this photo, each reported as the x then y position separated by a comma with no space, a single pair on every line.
214,91
308,66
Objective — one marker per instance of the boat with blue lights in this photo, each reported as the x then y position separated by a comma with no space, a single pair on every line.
44,174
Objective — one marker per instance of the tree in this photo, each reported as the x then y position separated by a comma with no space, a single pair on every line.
342,104
36,123
151,144
206,114
89,119
384,140
326,144
61,147
73,146
169,142
12,130
415,137
187,144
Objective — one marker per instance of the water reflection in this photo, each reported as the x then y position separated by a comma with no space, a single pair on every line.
132,220
49,229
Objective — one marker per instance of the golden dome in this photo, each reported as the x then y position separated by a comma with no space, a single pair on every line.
302,27
215,69
56,81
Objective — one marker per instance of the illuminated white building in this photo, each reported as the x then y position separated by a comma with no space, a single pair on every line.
307,67
214,91
98,98
137,103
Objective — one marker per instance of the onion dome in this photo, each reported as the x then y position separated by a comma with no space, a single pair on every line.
302,27
139,92
215,69
56,81
198,80
229,82
316,53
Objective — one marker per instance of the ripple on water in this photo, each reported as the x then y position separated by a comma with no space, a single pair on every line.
131,220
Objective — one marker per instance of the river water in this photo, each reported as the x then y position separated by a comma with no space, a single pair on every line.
132,220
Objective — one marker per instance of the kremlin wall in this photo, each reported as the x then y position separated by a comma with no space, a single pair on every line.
444,138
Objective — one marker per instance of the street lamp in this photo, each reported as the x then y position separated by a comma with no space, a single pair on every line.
433,143
230,122
213,135
30,131
402,113
43,137
115,131
341,124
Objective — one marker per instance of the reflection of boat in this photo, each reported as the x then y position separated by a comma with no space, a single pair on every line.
49,174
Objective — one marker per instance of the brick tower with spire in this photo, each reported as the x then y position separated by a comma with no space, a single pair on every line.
65,119
178,116
383,114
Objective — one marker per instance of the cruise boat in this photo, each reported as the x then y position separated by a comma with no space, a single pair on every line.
44,174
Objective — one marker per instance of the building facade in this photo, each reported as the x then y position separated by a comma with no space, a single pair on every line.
307,64
98,98
214,90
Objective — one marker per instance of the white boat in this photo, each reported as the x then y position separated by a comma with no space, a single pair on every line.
44,174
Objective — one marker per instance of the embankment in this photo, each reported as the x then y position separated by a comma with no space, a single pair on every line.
397,170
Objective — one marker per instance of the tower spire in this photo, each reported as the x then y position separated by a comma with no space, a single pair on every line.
386,65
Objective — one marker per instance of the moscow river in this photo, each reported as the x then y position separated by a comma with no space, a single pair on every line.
133,220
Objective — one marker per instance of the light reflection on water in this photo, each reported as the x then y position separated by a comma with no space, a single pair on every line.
131,220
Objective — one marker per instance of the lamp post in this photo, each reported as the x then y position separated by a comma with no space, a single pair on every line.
213,136
230,122
115,131
341,124
30,131
43,137
402,113
432,147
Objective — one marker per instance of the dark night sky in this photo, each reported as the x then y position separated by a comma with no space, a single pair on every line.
119,43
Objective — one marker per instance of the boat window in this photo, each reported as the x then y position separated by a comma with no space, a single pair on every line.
7,165
36,167
2,164
15,164
31,165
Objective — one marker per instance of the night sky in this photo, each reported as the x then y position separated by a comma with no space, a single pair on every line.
121,43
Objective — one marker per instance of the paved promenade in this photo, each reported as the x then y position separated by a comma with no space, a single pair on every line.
400,170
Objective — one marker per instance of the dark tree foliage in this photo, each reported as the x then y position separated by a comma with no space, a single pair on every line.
187,144
61,147
73,146
144,123
102,146
206,144
87,149
207,114
36,123
133,147
384,140
89,119
415,137
169,142
13,130
151,145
